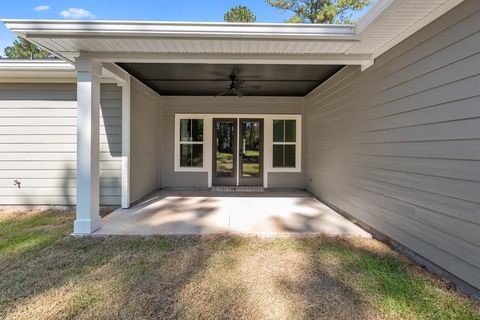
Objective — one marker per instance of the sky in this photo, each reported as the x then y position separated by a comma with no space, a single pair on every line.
157,10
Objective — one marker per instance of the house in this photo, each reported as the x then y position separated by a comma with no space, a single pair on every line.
380,120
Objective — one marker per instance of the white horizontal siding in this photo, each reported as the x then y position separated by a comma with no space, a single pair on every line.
398,145
38,144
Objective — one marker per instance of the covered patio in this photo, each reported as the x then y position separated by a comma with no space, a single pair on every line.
378,119
182,123
266,213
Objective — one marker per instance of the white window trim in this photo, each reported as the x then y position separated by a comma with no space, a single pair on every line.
178,143
298,143
267,141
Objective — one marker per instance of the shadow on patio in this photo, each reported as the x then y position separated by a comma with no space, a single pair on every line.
207,212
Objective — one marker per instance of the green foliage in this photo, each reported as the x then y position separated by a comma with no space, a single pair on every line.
239,14
22,49
320,11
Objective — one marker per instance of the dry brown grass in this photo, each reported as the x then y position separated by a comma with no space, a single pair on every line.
46,274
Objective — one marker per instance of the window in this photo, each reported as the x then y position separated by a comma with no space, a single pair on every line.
284,143
191,143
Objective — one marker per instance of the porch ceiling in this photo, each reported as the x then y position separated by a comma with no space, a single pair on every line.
211,79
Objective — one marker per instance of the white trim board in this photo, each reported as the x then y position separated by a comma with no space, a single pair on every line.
126,95
267,138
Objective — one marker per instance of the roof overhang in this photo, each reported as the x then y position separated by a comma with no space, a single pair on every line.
110,28
387,23
129,41
31,70
52,70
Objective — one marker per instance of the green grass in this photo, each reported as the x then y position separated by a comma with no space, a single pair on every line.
252,168
252,153
225,161
47,274
224,156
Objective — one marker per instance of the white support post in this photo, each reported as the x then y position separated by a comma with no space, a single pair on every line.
88,144
126,143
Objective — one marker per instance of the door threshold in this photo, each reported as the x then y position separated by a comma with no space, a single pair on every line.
238,189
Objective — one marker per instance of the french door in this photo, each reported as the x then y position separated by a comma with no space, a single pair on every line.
237,152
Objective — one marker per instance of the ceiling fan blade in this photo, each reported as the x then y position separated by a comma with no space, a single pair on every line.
238,92
223,93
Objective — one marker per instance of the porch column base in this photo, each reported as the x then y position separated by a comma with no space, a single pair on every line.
86,226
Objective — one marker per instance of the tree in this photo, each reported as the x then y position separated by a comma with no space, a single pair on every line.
239,14
320,11
22,49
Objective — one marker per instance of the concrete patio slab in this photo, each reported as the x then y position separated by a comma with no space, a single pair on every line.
206,212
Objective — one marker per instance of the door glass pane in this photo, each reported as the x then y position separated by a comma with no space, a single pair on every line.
290,130
278,131
289,155
251,134
225,135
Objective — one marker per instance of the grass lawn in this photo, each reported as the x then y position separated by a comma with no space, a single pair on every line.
46,274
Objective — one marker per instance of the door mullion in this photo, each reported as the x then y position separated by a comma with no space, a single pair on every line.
239,133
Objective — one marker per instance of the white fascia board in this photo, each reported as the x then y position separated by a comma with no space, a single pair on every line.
35,65
35,28
20,71
52,71
326,59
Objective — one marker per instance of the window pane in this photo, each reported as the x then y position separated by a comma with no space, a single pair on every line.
191,130
197,130
185,129
278,155
289,156
290,130
278,131
185,155
191,155
197,155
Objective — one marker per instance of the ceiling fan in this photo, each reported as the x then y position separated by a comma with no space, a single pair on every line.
236,86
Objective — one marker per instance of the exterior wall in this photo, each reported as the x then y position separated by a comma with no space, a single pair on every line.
398,145
220,105
144,140
38,144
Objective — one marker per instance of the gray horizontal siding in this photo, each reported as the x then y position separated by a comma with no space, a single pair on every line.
144,141
398,145
38,144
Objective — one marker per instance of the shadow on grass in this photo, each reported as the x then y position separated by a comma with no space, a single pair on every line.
389,284
212,277
44,273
